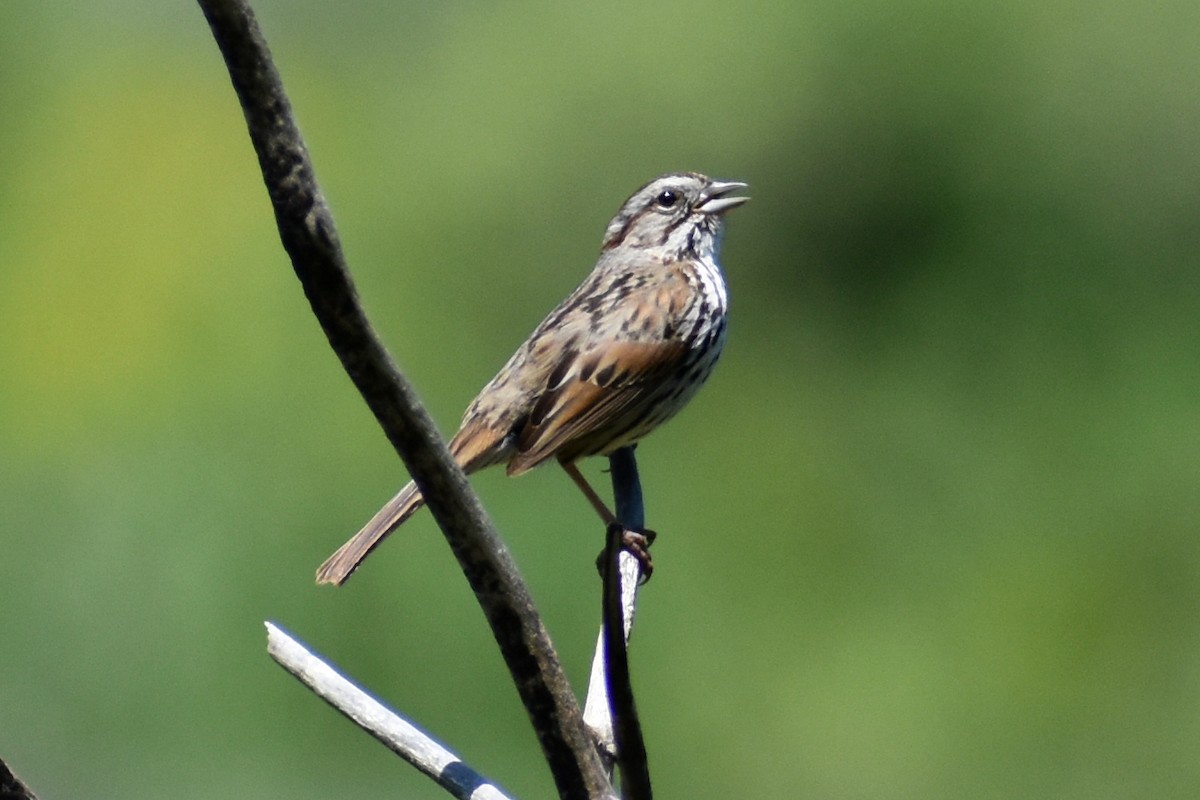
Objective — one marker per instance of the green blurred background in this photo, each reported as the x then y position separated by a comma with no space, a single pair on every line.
930,532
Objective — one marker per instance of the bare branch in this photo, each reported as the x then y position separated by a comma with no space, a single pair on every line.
597,710
627,729
397,734
610,709
11,787
627,488
308,234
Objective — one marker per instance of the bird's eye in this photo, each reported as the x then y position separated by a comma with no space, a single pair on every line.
667,198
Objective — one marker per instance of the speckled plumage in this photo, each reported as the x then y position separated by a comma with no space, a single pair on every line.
620,356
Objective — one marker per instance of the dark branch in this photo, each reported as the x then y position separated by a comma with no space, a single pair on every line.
627,730
11,787
310,239
627,488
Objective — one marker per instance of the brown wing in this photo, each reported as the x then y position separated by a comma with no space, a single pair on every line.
601,391
625,341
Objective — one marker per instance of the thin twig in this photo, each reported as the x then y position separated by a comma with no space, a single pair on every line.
627,488
631,747
627,730
610,710
396,733
597,710
308,234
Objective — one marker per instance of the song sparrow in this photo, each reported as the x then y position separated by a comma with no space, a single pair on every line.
615,360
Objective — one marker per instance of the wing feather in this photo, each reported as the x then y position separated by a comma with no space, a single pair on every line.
606,384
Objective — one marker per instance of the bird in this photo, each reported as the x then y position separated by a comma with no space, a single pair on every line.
621,355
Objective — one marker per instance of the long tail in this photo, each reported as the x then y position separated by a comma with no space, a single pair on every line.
476,445
339,566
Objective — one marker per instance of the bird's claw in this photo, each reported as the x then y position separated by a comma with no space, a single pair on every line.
636,543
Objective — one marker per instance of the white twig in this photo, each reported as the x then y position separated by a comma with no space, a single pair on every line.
401,737
596,710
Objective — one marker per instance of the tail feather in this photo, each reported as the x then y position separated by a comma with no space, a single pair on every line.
338,568
475,446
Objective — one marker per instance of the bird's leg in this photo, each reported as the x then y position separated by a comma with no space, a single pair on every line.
588,492
636,542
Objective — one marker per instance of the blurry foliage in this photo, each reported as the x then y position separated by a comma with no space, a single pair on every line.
929,533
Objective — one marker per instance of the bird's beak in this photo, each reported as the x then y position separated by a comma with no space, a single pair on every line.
714,200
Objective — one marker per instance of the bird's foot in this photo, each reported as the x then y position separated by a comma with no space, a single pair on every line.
636,543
